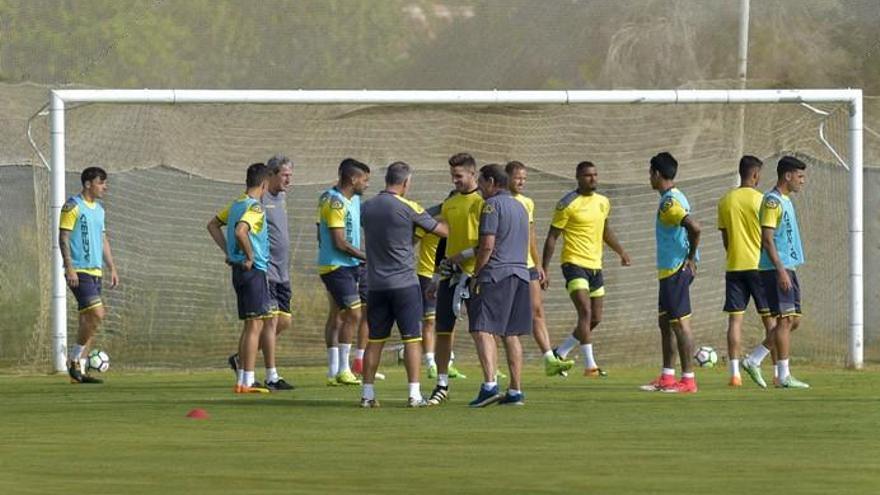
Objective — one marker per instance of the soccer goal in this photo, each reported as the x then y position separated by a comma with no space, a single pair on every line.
176,156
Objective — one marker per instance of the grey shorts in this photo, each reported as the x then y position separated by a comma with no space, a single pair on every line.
502,308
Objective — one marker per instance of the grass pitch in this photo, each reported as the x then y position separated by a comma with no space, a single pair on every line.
574,435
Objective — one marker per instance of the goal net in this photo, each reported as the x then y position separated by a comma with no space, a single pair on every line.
173,166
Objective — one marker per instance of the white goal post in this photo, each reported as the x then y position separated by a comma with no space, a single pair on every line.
851,97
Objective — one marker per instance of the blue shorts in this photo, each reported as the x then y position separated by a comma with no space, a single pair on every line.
429,306
781,303
88,292
342,284
675,295
252,292
280,293
503,308
403,306
580,278
739,287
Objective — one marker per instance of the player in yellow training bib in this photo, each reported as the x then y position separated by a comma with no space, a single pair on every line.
581,217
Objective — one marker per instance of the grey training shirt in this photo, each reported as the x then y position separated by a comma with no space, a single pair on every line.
279,237
389,221
505,218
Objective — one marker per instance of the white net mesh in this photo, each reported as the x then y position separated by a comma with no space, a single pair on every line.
173,167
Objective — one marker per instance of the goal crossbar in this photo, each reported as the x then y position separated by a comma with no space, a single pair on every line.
850,97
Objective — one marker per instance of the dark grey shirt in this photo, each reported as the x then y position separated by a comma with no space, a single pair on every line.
389,222
279,237
506,219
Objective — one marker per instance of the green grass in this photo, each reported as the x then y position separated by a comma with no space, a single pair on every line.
573,436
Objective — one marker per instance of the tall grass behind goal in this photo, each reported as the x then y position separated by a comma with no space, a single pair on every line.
173,166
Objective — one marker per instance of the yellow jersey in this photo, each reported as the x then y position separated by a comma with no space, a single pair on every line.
427,257
738,215
581,219
530,209
462,213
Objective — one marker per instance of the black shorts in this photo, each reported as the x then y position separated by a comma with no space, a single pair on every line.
403,306
502,308
342,284
580,278
741,285
429,306
533,274
675,294
88,292
782,303
445,316
280,293
252,291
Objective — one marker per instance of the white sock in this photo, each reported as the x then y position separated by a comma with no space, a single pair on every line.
332,362
429,359
414,391
567,345
589,360
443,380
667,371
76,351
513,391
548,356
240,377
489,385
344,353
248,378
782,366
687,375
272,374
368,392
776,371
733,367
451,356
359,354
758,355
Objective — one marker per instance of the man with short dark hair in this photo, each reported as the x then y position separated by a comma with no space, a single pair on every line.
501,303
677,235
394,294
339,257
739,223
581,216
461,212
246,247
85,249
781,253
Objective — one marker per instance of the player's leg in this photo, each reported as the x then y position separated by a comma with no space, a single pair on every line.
331,340
597,307
350,317
790,309
576,279
91,315
552,364
429,311
517,325
363,332
736,299
443,330
380,319
343,287
679,311
408,312
489,313
751,364
583,307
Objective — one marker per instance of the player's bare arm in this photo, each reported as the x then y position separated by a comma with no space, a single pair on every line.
611,240
64,244
693,232
549,247
108,260
769,245
340,243
244,242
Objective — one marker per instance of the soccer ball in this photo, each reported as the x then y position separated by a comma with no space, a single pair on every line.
706,357
99,360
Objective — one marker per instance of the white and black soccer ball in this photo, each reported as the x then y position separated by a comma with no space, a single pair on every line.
99,360
706,357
